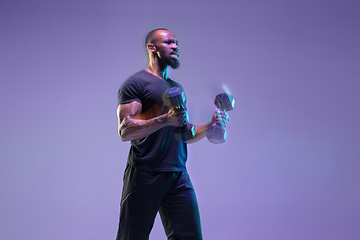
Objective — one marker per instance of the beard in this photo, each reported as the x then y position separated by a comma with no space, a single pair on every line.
174,64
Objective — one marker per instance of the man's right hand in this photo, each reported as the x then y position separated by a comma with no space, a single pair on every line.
177,117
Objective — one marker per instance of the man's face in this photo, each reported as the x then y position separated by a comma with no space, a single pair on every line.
167,48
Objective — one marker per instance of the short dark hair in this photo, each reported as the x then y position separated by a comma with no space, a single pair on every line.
150,36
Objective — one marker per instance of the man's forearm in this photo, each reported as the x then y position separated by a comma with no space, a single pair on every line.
134,129
200,132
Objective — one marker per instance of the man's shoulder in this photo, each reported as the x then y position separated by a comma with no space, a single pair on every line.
135,78
139,74
140,77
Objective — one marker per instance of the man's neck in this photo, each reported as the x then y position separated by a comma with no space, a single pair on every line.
158,71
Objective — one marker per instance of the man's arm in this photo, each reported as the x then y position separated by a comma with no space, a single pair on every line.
133,126
219,117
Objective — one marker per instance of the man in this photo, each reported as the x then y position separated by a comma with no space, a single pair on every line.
155,177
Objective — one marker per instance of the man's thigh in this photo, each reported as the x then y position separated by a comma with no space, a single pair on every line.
142,194
179,211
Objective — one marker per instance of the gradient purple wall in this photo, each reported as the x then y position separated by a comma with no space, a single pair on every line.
290,167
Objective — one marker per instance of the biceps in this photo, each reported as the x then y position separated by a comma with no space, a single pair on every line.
130,109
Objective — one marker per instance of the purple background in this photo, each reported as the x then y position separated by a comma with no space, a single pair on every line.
291,164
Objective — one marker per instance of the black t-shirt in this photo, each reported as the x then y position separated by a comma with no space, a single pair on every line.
158,151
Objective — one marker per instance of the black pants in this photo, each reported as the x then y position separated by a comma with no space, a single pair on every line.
145,193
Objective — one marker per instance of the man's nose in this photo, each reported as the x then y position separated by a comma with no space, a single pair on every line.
175,47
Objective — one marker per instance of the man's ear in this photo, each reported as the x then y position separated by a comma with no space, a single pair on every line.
151,47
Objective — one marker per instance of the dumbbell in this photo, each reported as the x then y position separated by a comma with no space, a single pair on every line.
217,134
175,97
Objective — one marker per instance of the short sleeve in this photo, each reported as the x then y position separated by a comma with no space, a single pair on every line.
129,91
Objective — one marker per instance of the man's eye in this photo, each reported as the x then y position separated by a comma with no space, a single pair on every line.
171,41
